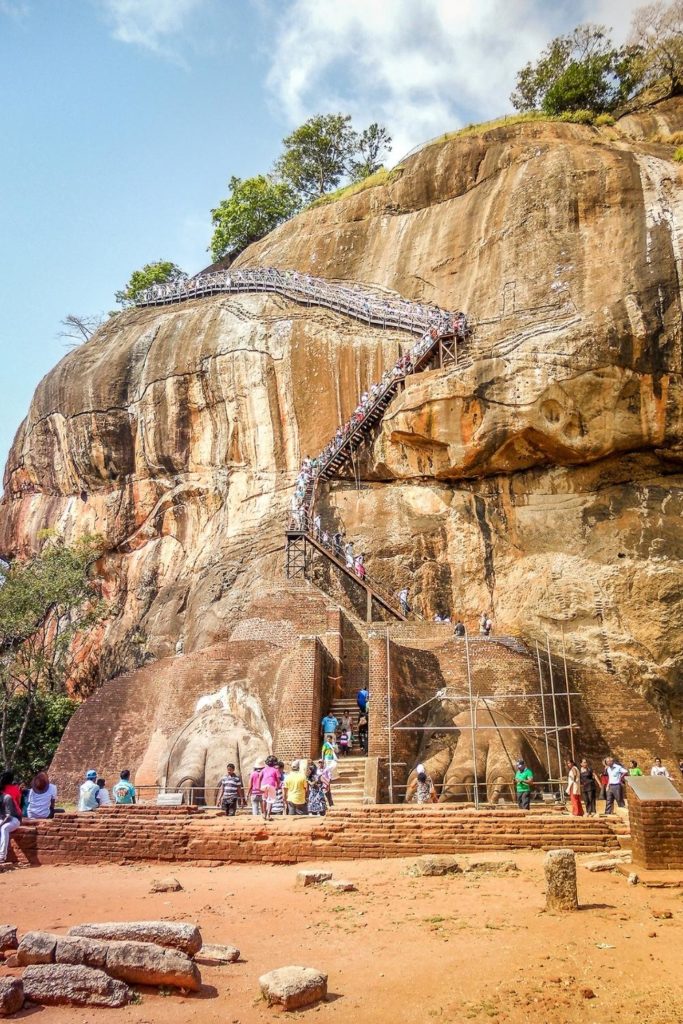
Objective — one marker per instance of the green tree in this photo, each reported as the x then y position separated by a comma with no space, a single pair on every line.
372,146
579,71
160,272
254,207
318,155
46,603
657,37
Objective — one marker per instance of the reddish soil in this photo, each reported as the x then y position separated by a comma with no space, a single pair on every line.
472,947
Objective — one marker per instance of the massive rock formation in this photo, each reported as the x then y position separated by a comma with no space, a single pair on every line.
541,478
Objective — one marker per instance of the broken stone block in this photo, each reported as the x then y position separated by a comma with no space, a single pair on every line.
662,915
55,984
144,963
493,867
37,948
434,865
8,938
216,954
185,937
12,960
293,987
341,885
11,996
560,877
165,885
306,878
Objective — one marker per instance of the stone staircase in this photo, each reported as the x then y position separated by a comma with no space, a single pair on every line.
348,706
182,835
348,787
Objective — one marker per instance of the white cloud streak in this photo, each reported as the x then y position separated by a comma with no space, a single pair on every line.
149,24
421,67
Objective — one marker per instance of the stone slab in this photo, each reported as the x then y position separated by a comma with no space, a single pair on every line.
653,787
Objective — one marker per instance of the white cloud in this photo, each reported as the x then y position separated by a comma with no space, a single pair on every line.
150,24
422,67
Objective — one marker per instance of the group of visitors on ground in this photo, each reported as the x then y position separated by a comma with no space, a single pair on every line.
272,791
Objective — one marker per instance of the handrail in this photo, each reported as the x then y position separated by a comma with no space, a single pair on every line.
300,524
356,301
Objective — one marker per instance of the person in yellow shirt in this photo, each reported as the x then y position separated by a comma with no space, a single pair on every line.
295,790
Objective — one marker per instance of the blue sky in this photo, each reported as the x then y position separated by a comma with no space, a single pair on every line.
122,120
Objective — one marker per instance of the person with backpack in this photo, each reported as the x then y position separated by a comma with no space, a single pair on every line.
10,817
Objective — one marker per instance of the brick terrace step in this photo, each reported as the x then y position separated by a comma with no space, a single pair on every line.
182,835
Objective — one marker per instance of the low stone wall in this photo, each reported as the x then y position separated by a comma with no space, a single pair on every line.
183,835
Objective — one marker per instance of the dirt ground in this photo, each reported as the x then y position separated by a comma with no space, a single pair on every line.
471,947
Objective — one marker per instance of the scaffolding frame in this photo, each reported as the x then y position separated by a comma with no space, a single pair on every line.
473,698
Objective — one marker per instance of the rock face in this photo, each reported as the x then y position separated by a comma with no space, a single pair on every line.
540,479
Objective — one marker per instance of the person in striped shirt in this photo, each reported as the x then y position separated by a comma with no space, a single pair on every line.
230,791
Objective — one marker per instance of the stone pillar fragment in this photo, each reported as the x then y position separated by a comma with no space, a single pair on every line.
560,878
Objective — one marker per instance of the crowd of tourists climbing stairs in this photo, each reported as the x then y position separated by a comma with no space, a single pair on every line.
439,334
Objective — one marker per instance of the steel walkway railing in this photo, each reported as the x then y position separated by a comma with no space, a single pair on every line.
352,300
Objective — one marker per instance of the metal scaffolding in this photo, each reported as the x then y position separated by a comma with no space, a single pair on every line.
551,726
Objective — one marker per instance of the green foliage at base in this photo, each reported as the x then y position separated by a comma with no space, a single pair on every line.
48,719
678,155
578,116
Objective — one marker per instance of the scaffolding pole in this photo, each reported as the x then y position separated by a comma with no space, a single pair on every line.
545,720
552,691
389,727
472,721
568,694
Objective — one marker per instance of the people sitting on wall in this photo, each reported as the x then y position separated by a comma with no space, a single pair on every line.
87,794
124,791
103,798
42,797
10,816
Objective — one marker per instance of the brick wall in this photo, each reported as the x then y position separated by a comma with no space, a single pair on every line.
656,832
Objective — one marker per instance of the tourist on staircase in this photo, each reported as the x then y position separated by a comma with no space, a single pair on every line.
362,698
344,742
324,776
329,725
329,755
403,595
363,731
459,630
485,625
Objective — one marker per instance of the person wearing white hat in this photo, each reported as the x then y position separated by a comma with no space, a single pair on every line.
254,792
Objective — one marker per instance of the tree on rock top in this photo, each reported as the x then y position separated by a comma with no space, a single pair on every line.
326,149
579,71
161,272
657,35
254,207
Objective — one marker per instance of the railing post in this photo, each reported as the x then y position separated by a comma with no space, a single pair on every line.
368,604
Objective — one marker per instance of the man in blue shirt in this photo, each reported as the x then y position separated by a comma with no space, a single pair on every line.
615,787
124,790
329,724
362,700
